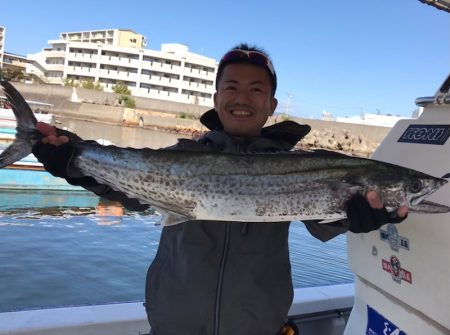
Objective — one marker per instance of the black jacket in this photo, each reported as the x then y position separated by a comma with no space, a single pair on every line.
211,277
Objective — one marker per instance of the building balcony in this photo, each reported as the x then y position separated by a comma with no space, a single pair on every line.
55,54
55,67
120,61
81,70
85,57
161,67
118,75
193,86
158,80
200,74
170,67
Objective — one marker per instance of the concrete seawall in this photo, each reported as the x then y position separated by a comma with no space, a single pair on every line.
160,115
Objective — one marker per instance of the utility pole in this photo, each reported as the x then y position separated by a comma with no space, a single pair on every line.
288,102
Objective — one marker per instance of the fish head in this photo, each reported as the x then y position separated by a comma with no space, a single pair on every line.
417,189
410,188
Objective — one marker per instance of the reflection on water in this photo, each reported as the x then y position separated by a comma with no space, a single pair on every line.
70,248
109,213
40,200
39,203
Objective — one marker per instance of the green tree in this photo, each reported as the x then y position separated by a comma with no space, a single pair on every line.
121,88
13,74
70,82
89,84
127,101
98,86
284,117
187,115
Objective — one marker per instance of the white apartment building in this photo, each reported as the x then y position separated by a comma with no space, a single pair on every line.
2,45
372,120
117,37
111,56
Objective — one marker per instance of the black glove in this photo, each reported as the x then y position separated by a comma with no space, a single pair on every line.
54,158
363,218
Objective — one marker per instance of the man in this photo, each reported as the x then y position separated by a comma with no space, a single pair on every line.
227,278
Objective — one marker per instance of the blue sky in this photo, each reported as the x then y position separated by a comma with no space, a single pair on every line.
345,57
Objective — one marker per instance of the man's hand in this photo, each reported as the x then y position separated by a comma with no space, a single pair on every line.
53,151
50,135
368,213
375,202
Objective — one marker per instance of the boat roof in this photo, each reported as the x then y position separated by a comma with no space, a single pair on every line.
439,4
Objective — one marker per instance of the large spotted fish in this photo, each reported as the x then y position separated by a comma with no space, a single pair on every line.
234,187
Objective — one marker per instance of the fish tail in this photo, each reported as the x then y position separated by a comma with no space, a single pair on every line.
26,132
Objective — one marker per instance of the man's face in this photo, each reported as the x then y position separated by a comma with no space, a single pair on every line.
244,99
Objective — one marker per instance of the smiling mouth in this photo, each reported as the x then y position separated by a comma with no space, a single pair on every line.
240,113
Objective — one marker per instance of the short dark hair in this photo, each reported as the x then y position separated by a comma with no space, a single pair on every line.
247,60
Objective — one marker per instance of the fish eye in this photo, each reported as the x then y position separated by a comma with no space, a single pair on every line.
415,186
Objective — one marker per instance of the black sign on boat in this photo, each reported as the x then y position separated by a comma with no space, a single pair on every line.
426,134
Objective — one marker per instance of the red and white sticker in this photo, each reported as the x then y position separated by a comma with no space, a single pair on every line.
394,267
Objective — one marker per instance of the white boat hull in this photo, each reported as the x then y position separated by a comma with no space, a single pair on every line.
317,310
403,271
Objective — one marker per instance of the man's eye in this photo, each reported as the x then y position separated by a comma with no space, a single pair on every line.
229,88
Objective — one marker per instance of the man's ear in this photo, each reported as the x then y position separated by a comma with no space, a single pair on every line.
215,100
274,104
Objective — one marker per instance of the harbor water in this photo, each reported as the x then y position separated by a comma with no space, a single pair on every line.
70,249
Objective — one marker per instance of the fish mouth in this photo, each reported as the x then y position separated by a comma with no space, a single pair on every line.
416,200
419,198
426,192
428,207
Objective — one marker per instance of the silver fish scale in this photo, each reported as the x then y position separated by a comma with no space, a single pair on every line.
197,192
256,187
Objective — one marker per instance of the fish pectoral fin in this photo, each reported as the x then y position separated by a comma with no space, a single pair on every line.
172,218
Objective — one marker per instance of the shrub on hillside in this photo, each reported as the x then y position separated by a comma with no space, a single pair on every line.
127,101
121,88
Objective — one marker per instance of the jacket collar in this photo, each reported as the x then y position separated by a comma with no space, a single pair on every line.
288,131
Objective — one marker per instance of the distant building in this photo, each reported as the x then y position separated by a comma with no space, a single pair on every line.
327,116
372,119
10,64
118,37
15,62
114,55
2,45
